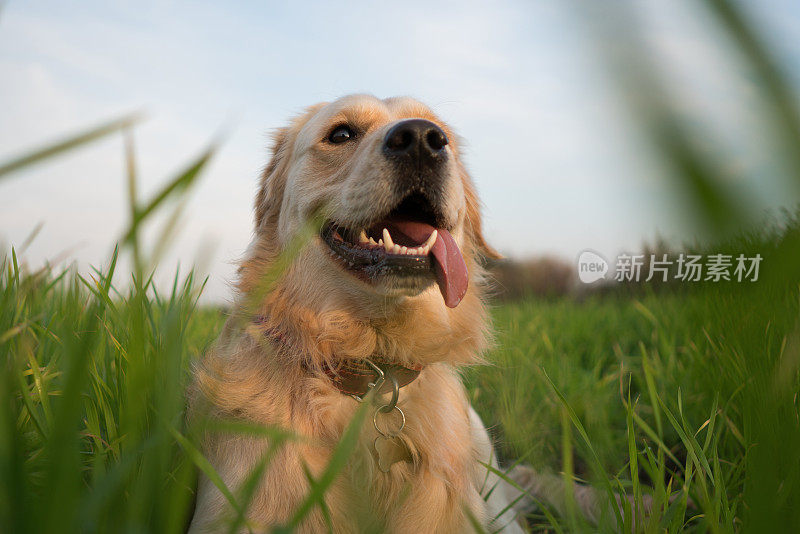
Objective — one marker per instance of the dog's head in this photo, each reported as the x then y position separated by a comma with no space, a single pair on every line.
400,212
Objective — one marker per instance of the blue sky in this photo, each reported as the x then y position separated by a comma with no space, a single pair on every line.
556,163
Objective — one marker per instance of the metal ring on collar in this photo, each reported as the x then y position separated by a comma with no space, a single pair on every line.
395,395
387,433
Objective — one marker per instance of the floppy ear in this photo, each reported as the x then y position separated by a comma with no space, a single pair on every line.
273,179
272,184
473,220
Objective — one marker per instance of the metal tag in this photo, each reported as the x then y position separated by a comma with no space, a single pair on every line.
389,451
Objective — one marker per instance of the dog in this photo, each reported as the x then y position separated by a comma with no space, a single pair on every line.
382,304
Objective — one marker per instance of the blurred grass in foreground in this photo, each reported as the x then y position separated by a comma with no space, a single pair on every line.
692,395
683,355
694,391
93,379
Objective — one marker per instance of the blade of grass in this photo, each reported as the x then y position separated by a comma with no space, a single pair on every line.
597,465
337,461
248,488
778,95
510,481
181,182
68,144
633,457
691,444
205,466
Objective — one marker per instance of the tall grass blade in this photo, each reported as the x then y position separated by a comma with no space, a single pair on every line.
68,144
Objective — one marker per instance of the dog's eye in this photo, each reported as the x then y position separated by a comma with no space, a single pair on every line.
340,134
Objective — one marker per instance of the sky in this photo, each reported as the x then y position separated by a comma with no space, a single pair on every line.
557,164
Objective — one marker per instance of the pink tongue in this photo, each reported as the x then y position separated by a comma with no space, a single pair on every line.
448,264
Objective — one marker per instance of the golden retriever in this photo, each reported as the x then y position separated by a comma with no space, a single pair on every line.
391,284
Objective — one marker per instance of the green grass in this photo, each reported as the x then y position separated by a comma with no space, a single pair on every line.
564,360
688,396
93,410
683,392
93,383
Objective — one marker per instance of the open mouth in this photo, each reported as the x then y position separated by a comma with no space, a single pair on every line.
408,242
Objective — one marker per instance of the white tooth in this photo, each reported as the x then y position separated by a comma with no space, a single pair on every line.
430,241
403,250
380,242
388,240
396,249
362,237
413,251
372,241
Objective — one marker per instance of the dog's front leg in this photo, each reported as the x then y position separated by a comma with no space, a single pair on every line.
499,496
435,505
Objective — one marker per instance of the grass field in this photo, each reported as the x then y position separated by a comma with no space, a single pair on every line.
683,394
689,396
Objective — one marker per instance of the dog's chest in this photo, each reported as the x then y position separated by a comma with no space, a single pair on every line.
411,481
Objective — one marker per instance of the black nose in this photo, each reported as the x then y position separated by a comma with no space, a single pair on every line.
417,140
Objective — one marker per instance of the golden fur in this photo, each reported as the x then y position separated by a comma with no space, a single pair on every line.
322,314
